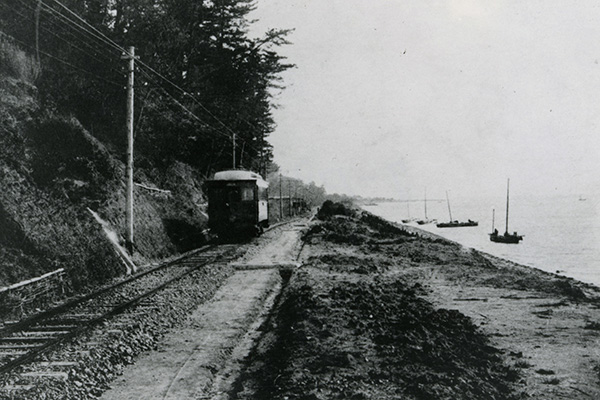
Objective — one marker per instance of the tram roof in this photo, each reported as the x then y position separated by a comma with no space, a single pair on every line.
239,175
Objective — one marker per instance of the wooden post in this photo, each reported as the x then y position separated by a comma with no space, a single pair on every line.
280,200
38,9
290,195
129,211
233,138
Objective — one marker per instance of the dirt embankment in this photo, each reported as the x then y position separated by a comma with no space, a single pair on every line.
378,313
52,170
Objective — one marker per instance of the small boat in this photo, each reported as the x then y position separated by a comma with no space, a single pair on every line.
409,219
512,238
456,224
452,223
426,220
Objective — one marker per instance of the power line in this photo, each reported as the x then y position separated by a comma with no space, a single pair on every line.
199,103
82,28
95,33
149,77
69,30
106,39
187,110
67,41
72,24
62,61
99,35
184,92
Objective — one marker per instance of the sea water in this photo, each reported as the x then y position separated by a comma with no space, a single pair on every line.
561,233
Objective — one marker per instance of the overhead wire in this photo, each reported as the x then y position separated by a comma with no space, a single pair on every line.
181,90
185,93
62,61
192,114
149,77
98,35
70,24
139,62
93,56
71,29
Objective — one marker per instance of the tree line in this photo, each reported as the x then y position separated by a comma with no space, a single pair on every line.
200,78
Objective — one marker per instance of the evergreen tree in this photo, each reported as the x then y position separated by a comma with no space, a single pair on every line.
199,78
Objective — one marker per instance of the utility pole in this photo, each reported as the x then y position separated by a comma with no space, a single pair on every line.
129,210
280,199
38,9
263,164
233,138
290,195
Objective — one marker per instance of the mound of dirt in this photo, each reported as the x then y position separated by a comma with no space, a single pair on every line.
334,337
359,264
350,325
330,209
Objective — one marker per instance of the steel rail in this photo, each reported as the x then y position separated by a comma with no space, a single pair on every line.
72,303
86,325
32,354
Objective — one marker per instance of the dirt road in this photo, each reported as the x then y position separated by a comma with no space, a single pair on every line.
199,359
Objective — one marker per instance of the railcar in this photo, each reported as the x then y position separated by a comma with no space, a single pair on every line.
238,203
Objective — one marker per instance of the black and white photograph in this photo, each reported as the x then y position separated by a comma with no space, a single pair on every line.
299,199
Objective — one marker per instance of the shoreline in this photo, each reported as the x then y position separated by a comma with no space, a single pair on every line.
424,233
378,311
562,244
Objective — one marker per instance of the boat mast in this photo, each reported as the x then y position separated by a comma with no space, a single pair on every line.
448,201
493,218
507,191
425,202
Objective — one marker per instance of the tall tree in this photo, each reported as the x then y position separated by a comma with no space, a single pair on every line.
199,80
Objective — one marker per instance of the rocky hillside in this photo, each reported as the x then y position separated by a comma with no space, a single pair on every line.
53,173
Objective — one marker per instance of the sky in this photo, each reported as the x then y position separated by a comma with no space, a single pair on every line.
394,97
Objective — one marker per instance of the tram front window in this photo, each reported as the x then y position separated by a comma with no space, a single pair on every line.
247,194
234,195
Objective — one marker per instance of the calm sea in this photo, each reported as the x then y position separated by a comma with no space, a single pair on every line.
562,233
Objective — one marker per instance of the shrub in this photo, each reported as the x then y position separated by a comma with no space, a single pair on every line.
329,209
15,63
64,154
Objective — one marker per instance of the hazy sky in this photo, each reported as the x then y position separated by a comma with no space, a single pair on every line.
392,96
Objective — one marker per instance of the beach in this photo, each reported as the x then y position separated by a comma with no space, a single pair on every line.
379,312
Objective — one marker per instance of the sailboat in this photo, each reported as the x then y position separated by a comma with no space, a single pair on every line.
452,223
426,220
409,219
513,238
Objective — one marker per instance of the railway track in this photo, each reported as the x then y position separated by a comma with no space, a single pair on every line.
25,341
